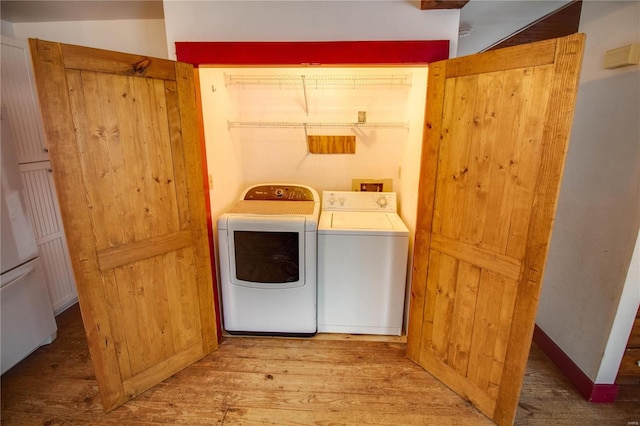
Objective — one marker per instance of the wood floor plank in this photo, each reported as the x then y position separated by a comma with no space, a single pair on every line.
292,367
278,381
252,416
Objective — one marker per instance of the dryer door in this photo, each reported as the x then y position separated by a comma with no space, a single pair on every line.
267,252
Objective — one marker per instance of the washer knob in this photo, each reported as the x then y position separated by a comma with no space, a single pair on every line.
331,201
342,200
382,202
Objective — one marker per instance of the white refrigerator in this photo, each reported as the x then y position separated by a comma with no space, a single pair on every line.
26,316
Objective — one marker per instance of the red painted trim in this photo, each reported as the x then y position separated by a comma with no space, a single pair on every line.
600,393
207,200
313,52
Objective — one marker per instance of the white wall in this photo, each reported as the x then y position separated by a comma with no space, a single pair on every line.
6,29
143,37
239,157
598,213
307,21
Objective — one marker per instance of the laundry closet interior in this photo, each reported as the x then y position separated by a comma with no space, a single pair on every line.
259,124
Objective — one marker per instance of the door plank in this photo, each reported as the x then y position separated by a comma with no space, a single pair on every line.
58,120
195,195
175,135
108,62
514,109
426,215
465,312
441,156
442,297
499,137
483,145
502,335
127,253
454,180
529,163
486,326
486,259
534,55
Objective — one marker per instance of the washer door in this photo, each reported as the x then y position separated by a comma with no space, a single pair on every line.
267,252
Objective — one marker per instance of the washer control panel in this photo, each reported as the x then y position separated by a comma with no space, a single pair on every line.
277,192
359,201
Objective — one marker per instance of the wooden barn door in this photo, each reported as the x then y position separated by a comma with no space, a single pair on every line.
123,140
497,128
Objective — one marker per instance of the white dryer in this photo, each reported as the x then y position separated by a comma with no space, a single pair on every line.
362,263
267,254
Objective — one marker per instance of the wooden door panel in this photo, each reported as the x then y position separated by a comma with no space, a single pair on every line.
467,280
482,303
481,150
497,127
127,163
125,155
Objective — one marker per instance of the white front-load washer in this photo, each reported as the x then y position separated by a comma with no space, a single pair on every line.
362,263
267,248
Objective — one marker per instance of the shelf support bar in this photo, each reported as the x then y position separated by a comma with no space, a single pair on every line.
304,90
306,139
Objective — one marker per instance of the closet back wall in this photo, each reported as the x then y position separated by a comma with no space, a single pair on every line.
244,147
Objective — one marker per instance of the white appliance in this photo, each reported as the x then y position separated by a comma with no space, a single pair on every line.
362,263
267,246
26,316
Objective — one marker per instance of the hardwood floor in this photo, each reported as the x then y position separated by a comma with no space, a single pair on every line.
284,381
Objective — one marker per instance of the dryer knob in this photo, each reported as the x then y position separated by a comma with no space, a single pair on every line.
331,201
382,202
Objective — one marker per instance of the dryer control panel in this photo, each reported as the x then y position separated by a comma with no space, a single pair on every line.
275,192
359,201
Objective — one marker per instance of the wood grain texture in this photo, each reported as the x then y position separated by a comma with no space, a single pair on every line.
489,260
197,214
106,61
58,120
536,54
490,138
319,144
629,365
127,163
554,144
432,137
342,380
143,249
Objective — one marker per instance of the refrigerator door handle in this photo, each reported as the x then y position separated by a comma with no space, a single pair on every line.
19,278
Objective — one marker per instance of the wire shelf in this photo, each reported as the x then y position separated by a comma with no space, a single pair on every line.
286,124
317,81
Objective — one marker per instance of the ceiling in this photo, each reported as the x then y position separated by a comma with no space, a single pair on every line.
482,22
